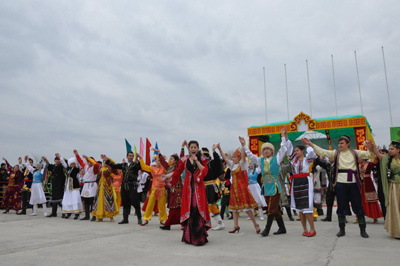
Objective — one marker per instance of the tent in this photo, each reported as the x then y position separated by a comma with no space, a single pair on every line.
324,132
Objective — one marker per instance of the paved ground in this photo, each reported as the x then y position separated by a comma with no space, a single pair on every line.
28,240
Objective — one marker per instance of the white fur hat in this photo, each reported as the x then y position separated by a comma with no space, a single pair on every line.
71,161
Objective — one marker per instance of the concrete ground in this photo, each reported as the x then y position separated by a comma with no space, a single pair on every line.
37,240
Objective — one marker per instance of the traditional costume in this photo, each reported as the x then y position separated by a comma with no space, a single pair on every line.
347,183
72,202
225,193
283,178
129,189
272,187
195,216
174,195
26,187
105,200
255,190
369,197
210,182
157,192
12,199
37,193
57,184
89,186
390,174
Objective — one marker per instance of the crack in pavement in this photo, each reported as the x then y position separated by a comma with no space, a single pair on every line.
330,256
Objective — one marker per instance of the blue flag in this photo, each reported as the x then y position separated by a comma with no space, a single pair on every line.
156,147
128,146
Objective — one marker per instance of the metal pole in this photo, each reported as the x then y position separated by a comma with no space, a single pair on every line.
265,95
387,87
309,91
334,84
359,87
287,94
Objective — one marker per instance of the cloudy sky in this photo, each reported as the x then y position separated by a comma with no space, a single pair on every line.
87,74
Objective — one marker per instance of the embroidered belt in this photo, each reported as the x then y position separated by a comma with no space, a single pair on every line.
210,182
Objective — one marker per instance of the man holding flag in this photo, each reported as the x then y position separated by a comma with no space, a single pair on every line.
129,194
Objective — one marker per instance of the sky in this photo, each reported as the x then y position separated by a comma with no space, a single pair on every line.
86,75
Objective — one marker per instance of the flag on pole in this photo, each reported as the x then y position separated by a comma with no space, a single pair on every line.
135,152
128,146
141,148
156,147
148,145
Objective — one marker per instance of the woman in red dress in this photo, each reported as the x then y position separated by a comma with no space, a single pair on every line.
12,199
195,216
241,198
369,197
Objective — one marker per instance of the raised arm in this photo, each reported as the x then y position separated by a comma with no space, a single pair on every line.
318,150
226,159
371,146
79,159
253,158
144,166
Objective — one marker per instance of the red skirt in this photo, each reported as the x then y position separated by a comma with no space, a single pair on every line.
371,208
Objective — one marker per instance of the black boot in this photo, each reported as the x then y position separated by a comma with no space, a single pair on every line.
342,225
66,215
165,227
124,220
282,229
289,213
76,216
362,225
328,217
53,211
87,211
139,220
270,219
93,219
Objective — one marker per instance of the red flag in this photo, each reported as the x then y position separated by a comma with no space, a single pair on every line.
148,145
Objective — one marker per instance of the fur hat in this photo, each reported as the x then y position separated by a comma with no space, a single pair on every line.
267,145
71,161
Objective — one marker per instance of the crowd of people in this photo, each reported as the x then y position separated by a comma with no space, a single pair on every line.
198,186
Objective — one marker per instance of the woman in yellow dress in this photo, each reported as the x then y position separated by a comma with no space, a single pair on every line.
105,201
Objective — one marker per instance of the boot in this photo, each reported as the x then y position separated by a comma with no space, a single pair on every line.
22,212
6,211
220,223
328,217
282,229
165,227
124,220
289,213
87,212
270,219
362,225
34,210
76,216
342,225
66,215
53,211
93,219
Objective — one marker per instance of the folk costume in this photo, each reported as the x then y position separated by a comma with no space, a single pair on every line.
210,182
347,184
105,201
283,178
195,216
174,195
225,193
255,189
37,193
12,198
390,174
89,185
117,181
129,189
272,187
26,187
157,192
302,196
369,197
72,202
58,172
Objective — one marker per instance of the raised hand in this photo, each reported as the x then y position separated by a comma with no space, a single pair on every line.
75,152
26,158
4,159
58,155
214,147
84,157
44,158
242,141
103,156
306,141
184,144
19,160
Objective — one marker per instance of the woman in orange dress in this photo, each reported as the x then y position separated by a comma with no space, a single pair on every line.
241,198
12,198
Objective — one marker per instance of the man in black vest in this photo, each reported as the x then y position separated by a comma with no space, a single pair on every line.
129,195
347,181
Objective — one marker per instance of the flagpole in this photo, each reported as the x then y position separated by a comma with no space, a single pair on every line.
309,91
287,94
334,84
358,79
387,87
265,96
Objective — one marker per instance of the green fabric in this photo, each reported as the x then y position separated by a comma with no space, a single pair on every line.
385,182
